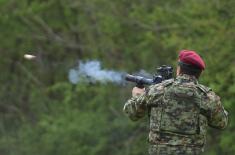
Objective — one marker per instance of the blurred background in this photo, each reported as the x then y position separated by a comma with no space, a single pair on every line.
43,113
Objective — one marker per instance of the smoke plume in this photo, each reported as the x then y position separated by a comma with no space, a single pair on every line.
91,72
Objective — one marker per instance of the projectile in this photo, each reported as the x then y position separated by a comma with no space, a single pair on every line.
29,56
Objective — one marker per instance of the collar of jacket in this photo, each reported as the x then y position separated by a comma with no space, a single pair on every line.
182,78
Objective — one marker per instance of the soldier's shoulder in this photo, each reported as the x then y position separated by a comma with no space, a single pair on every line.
204,88
163,84
209,94
167,82
159,88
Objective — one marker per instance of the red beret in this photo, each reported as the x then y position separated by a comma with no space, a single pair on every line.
191,58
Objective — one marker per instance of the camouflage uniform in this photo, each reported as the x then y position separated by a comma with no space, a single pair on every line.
179,113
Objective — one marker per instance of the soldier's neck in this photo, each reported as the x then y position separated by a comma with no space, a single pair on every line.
187,78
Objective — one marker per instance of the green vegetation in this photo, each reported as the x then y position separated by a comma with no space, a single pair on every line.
41,113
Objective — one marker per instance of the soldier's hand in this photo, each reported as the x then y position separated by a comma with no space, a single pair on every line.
137,91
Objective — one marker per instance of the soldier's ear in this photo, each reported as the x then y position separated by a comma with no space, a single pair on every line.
178,70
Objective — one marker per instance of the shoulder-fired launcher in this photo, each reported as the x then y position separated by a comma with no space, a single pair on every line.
163,73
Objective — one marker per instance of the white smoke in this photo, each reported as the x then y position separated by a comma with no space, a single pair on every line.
91,72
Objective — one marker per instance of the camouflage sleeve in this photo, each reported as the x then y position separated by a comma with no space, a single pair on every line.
216,114
136,107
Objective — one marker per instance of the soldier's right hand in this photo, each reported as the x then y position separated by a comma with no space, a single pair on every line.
137,91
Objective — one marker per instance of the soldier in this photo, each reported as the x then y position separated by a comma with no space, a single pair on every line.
179,110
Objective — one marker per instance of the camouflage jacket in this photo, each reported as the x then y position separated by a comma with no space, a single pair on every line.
179,111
